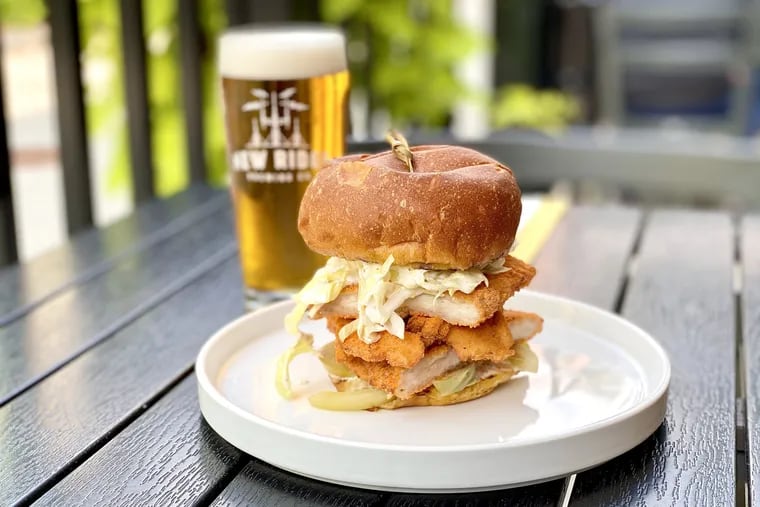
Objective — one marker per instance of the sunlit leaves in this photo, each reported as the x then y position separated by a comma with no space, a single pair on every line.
28,12
412,48
523,106
338,11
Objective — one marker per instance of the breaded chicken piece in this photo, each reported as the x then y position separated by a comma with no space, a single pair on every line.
445,348
405,383
523,325
431,329
404,353
461,309
421,332
491,341
402,382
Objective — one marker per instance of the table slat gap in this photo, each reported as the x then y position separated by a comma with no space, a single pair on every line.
51,425
146,306
741,466
205,457
631,265
682,294
210,496
587,255
750,313
76,461
262,484
740,406
40,342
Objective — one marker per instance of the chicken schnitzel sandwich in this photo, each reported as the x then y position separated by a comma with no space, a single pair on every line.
418,241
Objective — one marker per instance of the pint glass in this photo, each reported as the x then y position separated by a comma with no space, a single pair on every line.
284,94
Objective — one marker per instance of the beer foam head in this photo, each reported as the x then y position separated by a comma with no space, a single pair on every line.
281,52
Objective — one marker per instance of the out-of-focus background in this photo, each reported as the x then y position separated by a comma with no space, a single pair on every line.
642,100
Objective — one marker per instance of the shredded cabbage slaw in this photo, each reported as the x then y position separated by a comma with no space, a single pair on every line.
382,289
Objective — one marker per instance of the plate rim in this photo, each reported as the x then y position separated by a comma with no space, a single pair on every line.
660,390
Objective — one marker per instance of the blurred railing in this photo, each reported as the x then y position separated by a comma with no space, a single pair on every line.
8,251
657,167
63,19
694,169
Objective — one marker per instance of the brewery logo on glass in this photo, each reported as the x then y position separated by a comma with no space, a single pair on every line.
277,149
284,91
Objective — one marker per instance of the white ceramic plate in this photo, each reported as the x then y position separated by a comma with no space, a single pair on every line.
600,390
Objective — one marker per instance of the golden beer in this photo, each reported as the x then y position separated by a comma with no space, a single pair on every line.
285,93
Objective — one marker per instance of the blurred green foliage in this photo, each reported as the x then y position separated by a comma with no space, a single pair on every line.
101,47
28,12
103,69
523,106
402,52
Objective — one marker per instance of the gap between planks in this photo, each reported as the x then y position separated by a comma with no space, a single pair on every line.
146,306
630,271
741,445
42,488
174,227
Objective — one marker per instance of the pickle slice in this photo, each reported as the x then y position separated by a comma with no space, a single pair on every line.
361,399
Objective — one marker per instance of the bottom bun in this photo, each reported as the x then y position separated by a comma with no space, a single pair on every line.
430,397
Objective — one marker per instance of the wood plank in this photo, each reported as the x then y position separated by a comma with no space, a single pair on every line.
77,319
262,484
95,251
682,294
750,310
55,426
538,495
169,441
586,256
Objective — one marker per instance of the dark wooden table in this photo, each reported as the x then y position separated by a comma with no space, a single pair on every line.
98,400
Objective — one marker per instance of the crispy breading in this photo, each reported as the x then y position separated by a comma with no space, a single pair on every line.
402,382
523,325
490,341
445,347
378,374
461,309
404,353
430,329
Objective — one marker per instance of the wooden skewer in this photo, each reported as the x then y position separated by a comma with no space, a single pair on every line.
400,148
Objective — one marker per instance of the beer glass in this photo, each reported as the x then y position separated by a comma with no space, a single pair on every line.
285,90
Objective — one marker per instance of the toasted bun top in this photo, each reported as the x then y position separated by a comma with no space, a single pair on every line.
458,209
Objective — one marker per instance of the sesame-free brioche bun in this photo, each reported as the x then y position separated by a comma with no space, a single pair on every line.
458,209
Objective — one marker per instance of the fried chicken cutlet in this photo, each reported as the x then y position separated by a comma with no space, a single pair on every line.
460,309
431,348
